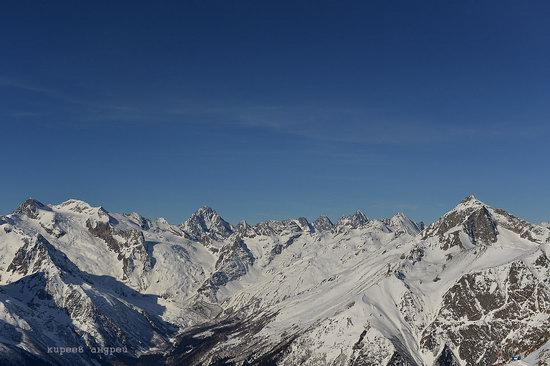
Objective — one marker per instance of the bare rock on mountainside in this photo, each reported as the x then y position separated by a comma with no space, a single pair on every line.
323,223
205,223
473,288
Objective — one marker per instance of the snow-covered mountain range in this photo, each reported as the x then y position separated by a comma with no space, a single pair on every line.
83,286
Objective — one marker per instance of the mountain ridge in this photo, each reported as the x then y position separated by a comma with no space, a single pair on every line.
362,291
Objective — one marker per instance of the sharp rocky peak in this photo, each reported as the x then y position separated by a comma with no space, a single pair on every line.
278,227
399,217
206,222
355,220
471,217
323,223
31,208
401,223
244,229
303,224
469,202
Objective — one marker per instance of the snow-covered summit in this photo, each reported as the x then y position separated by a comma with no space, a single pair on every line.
83,210
470,200
402,223
74,205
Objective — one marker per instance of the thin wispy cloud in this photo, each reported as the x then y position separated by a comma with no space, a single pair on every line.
321,123
39,89
66,100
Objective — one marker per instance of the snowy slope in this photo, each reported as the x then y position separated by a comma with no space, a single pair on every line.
473,288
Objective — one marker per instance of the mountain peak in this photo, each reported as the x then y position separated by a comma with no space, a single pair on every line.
205,222
470,197
401,223
70,203
303,224
75,206
471,217
355,220
31,208
205,210
470,201
244,228
323,223
80,206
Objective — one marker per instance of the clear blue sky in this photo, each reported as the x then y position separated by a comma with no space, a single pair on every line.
274,109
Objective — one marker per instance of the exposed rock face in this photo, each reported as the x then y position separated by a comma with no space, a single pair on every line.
471,217
471,289
323,223
353,221
481,227
244,229
282,227
511,297
74,308
304,225
233,262
447,358
129,245
282,245
31,208
399,360
206,224
37,254
534,233
29,257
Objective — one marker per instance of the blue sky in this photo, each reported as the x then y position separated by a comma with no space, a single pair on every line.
275,109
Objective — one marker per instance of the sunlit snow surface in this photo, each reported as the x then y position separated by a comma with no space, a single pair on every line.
361,288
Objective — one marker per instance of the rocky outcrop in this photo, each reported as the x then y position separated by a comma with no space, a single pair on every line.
31,208
487,307
447,358
323,223
353,221
283,227
206,225
471,289
39,255
481,227
129,245
233,262
471,217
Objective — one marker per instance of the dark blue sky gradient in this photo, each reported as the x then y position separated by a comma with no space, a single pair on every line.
275,109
